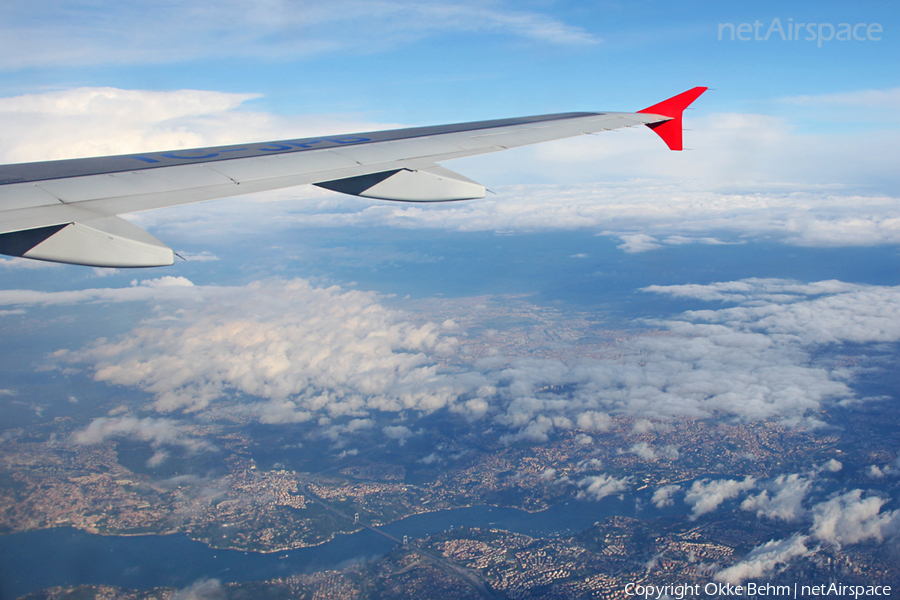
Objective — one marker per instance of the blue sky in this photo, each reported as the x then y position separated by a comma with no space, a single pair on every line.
423,62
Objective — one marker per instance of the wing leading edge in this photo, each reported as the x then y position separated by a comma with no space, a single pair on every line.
66,211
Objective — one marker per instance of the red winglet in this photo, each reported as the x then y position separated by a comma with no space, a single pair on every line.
670,131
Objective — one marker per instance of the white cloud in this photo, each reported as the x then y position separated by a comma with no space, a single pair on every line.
430,459
302,351
159,289
638,242
202,589
297,350
641,242
592,420
165,281
832,466
643,450
298,353
397,432
705,496
783,497
24,263
875,472
737,149
782,500
662,497
646,426
680,240
670,452
590,464
755,290
850,519
644,215
536,429
203,256
818,313
600,486
647,452
763,559
101,121
880,106
847,518
698,371
159,432
888,99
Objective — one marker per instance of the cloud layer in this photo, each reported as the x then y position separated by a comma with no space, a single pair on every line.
751,361
285,351
645,216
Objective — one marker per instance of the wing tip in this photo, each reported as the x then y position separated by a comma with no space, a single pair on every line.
670,130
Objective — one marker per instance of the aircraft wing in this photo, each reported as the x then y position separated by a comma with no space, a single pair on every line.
66,210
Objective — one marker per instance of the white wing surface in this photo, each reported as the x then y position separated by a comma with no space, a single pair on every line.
66,211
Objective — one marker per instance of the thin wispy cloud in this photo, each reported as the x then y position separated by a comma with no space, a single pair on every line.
159,288
159,432
86,32
872,98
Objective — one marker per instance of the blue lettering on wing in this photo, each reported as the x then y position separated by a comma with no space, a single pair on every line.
275,148
305,144
178,155
348,140
145,159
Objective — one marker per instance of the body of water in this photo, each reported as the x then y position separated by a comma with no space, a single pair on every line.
36,560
